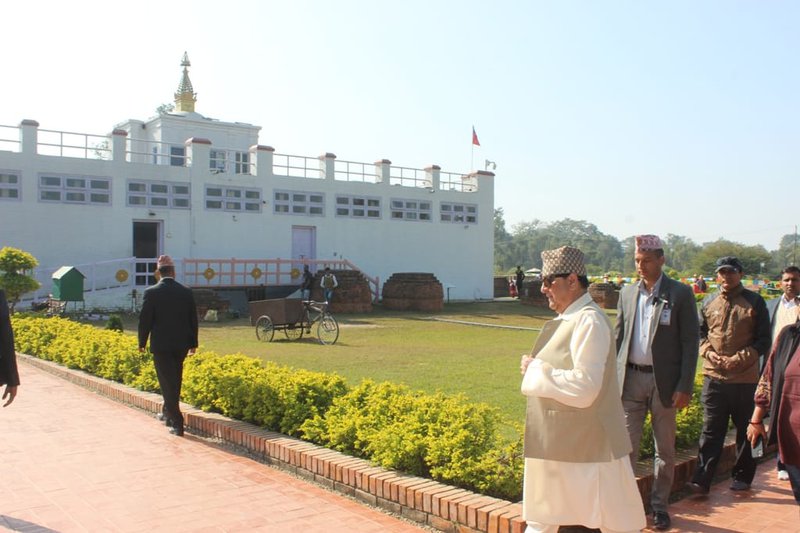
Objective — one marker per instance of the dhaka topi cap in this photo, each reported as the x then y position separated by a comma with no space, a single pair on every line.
564,260
648,243
164,261
731,262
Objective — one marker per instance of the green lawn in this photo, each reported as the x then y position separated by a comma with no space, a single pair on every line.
408,347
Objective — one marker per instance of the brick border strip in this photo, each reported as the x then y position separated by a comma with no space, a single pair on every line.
443,507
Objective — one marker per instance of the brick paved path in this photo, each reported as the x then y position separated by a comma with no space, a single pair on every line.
769,507
76,461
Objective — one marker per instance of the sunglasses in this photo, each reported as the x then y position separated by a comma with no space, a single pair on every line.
548,280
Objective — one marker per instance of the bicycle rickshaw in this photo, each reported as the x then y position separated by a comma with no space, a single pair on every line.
295,317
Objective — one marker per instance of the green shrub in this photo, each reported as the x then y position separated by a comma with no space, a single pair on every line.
114,323
439,436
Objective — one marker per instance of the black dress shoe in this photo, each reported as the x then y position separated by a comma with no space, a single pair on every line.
177,431
661,520
161,417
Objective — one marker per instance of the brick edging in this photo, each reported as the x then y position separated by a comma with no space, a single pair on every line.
443,507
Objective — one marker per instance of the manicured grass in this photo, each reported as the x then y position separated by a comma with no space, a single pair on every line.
408,347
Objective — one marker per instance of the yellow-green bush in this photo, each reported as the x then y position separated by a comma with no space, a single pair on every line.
440,436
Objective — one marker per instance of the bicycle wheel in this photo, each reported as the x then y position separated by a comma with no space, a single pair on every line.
294,332
264,329
327,329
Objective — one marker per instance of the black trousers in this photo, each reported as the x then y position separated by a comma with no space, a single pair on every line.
723,402
169,369
794,479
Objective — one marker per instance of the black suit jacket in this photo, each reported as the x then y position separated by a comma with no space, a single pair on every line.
675,346
8,357
168,317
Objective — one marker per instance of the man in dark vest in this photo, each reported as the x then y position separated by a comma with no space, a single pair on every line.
169,318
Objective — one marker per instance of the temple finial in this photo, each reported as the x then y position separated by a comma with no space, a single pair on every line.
185,97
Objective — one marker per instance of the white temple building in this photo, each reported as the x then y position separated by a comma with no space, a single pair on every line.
230,211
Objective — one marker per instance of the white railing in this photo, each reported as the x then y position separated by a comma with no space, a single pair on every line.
450,181
228,161
9,138
354,171
298,166
71,144
409,177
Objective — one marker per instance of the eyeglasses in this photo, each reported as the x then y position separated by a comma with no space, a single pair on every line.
548,280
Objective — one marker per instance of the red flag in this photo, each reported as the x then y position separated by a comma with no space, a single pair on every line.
475,137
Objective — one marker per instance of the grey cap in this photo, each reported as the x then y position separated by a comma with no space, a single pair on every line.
564,260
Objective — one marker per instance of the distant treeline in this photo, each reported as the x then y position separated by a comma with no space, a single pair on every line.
606,254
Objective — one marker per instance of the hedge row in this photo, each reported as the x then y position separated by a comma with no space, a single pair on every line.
444,437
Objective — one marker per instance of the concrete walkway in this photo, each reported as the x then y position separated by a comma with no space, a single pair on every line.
77,461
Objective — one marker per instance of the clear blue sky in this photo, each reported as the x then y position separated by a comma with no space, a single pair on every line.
666,117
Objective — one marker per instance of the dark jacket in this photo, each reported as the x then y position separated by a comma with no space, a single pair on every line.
8,357
734,325
168,317
782,352
674,345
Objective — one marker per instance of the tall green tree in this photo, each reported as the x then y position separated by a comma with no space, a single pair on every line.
752,257
14,265
680,251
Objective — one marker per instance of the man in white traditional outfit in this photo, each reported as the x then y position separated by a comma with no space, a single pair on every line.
577,470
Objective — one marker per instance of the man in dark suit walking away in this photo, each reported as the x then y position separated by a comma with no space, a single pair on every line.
169,318
8,356
657,334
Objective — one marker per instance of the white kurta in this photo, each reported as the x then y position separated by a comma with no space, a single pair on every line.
595,495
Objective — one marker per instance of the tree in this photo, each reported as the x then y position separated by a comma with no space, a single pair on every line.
752,257
163,109
680,251
14,264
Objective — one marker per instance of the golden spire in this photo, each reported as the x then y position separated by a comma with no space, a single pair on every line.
185,97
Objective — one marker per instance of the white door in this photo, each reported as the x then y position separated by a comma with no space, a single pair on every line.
304,245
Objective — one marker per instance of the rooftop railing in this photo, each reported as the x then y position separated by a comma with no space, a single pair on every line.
298,166
226,161
72,144
9,138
